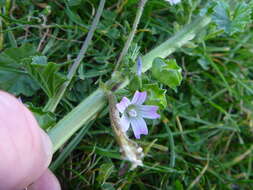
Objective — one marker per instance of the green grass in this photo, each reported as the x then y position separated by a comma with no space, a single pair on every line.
205,137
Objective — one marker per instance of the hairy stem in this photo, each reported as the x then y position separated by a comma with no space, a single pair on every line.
80,115
132,33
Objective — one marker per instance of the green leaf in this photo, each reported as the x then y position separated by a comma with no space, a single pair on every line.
156,95
135,83
13,77
45,119
232,21
46,74
105,171
167,72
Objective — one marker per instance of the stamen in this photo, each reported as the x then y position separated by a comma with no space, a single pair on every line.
132,113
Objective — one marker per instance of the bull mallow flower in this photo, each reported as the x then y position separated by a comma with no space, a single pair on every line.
139,66
133,112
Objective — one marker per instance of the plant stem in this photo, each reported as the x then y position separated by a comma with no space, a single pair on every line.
54,101
132,33
91,106
175,42
80,115
70,147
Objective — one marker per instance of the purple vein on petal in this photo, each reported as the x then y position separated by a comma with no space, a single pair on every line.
144,128
123,104
139,127
148,111
139,97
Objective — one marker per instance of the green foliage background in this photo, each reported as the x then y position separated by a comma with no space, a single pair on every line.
204,140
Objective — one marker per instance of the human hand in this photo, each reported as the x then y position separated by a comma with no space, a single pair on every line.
25,149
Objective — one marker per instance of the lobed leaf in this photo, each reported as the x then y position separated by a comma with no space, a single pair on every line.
13,76
156,95
167,72
232,21
46,74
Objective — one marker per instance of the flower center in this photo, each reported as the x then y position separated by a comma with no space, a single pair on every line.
132,113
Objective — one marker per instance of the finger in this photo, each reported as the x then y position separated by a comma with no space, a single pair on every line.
45,182
26,150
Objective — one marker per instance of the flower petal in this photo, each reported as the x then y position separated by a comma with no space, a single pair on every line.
139,97
149,112
139,66
139,127
123,104
125,122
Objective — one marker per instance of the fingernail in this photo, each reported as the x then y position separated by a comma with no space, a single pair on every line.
48,147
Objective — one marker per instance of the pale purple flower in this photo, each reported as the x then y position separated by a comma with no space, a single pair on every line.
133,112
173,2
139,66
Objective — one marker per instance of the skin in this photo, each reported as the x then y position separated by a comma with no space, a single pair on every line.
25,149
